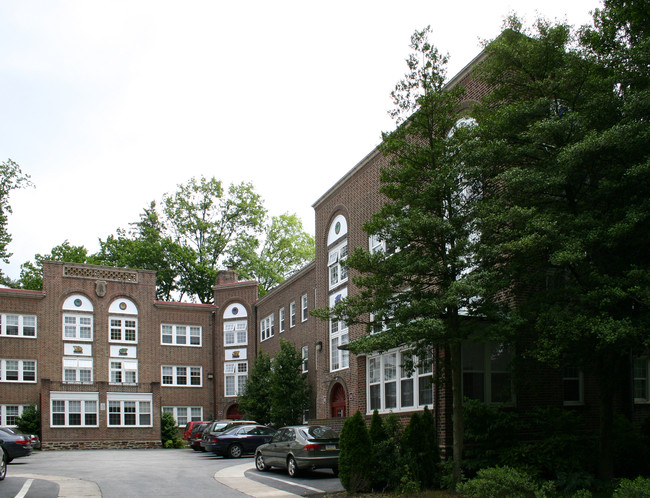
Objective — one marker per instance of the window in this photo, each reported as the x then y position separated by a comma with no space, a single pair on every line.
74,409
129,409
123,371
17,370
77,327
267,328
10,413
184,414
572,385
235,333
78,370
182,376
486,372
339,358
337,272
17,325
236,375
292,314
304,307
391,387
305,359
180,335
640,369
377,244
123,329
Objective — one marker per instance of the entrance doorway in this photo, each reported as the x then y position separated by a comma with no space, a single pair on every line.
337,401
233,413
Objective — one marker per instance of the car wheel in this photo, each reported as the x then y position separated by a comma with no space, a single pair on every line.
292,467
235,451
3,465
259,463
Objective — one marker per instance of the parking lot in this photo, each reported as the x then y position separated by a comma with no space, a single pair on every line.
158,472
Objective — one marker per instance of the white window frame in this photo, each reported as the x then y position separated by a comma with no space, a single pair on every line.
127,368
386,374
9,419
235,377
292,314
73,329
641,386
235,333
177,372
20,369
139,405
267,327
572,374
282,319
192,335
184,414
123,328
85,405
487,370
305,359
78,367
304,305
337,274
20,327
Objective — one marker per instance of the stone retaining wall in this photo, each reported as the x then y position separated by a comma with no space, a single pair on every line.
101,445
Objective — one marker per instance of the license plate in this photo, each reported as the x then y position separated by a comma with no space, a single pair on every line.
330,446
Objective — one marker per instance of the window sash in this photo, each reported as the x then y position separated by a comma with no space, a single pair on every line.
123,329
181,376
129,412
12,370
77,327
73,411
15,325
180,335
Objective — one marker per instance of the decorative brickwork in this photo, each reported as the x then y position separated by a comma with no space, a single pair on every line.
97,273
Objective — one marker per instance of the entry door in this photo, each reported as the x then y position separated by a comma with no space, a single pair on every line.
337,401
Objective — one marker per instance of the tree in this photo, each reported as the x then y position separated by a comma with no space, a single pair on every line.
255,399
285,250
208,224
416,290
354,465
31,273
145,246
30,421
561,144
289,388
11,178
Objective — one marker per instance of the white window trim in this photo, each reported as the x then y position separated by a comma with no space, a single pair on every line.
82,398
292,314
267,327
235,329
122,328
175,376
4,417
20,325
486,370
190,332
139,399
181,413
304,305
235,370
127,365
78,365
574,402
77,327
282,318
21,371
400,375
645,378
305,359
336,255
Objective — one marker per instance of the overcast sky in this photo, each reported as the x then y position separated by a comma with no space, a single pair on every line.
110,104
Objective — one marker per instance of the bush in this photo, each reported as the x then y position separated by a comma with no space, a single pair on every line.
420,449
30,421
168,430
355,466
503,482
638,488
385,436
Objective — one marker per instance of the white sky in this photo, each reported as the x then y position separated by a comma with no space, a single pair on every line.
110,104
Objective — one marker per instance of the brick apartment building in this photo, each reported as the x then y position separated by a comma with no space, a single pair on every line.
103,359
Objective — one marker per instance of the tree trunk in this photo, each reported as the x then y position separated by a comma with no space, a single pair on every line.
457,406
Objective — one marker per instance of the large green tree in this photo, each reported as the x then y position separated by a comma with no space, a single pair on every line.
255,399
418,288
11,178
31,272
209,222
561,144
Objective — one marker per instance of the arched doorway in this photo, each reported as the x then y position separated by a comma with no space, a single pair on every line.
337,401
233,413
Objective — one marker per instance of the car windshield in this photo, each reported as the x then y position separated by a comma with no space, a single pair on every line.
321,432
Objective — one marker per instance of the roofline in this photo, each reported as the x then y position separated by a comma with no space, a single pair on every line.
373,153
26,293
181,305
305,269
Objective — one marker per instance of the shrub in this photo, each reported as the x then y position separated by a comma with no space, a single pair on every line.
385,436
30,421
638,488
168,430
420,449
503,482
355,466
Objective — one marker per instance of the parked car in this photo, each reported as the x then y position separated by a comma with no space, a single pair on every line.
3,462
300,447
218,426
196,436
15,444
239,440
190,426
36,442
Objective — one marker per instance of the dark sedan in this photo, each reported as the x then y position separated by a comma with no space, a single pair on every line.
15,444
195,437
236,441
300,447
3,462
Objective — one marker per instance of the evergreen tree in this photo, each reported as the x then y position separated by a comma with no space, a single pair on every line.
30,421
255,399
355,468
289,388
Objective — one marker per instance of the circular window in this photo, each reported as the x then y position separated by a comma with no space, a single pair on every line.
235,310
78,303
122,306
337,227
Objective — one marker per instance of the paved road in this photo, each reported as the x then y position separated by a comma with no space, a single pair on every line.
152,473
